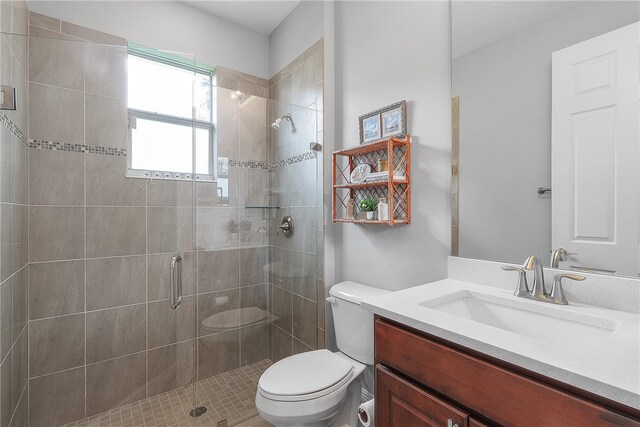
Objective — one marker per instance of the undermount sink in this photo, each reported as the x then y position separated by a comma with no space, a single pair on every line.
555,325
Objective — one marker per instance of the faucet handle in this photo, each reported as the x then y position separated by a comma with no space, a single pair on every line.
522,287
557,293
512,268
577,277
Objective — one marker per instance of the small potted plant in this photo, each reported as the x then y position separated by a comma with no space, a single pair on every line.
368,205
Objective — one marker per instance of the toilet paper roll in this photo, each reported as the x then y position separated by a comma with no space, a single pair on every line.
366,413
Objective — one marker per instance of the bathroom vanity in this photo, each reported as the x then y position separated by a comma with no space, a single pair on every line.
464,351
423,381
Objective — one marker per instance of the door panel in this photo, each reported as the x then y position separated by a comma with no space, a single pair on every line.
595,155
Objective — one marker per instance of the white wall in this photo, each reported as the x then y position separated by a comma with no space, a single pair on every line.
505,132
385,52
169,25
301,28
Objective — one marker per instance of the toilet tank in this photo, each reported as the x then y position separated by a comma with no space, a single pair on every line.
353,325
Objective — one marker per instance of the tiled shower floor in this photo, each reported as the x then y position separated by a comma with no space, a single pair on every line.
229,396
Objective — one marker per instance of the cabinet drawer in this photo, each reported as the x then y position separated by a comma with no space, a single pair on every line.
477,423
500,395
402,404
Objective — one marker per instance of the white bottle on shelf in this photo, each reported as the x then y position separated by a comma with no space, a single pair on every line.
383,209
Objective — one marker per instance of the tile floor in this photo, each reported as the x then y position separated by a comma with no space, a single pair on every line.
229,396
257,421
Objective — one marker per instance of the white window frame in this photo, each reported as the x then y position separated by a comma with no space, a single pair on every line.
134,114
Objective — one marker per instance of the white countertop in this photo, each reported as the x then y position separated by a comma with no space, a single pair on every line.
612,370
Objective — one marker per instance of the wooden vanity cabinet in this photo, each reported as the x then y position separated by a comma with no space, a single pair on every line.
421,381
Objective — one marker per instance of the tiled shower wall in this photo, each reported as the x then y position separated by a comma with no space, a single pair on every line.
13,219
296,285
101,332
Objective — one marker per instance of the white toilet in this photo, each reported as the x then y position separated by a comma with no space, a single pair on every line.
321,388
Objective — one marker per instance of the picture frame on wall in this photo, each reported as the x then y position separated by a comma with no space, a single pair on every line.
370,128
387,122
394,120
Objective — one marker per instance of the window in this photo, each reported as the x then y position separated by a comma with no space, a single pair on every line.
171,129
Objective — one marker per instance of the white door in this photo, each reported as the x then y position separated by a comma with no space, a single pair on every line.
595,154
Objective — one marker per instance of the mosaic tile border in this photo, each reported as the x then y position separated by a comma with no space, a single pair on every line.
122,152
309,155
273,165
13,128
249,164
76,148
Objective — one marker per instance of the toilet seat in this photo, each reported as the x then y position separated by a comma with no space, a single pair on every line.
305,376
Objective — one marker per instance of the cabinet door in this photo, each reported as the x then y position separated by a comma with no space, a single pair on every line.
400,403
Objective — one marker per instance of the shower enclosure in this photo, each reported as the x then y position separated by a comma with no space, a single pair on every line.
145,280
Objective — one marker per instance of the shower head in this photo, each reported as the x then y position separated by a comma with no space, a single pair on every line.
276,124
238,96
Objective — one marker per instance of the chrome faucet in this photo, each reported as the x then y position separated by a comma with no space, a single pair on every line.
538,292
558,255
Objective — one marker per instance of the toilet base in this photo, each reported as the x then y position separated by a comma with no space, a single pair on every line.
348,415
345,414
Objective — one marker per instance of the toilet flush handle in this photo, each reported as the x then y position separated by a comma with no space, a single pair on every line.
332,300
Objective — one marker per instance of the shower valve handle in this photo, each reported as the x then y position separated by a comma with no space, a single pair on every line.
286,226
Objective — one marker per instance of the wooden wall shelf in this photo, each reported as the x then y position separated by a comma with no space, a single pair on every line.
397,191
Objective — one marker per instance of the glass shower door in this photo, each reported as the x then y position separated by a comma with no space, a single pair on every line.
171,146
232,241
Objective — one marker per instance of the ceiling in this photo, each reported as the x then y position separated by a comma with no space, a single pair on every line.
262,16
478,23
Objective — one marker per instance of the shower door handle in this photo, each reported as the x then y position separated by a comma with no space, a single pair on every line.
175,282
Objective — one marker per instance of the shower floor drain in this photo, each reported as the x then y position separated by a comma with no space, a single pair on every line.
200,410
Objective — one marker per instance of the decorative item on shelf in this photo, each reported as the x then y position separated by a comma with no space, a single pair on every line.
383,165
368,205
360,173
384,176
351,209
383,209
387,122
377,176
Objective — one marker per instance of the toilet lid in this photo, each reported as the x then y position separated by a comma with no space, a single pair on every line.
304,374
